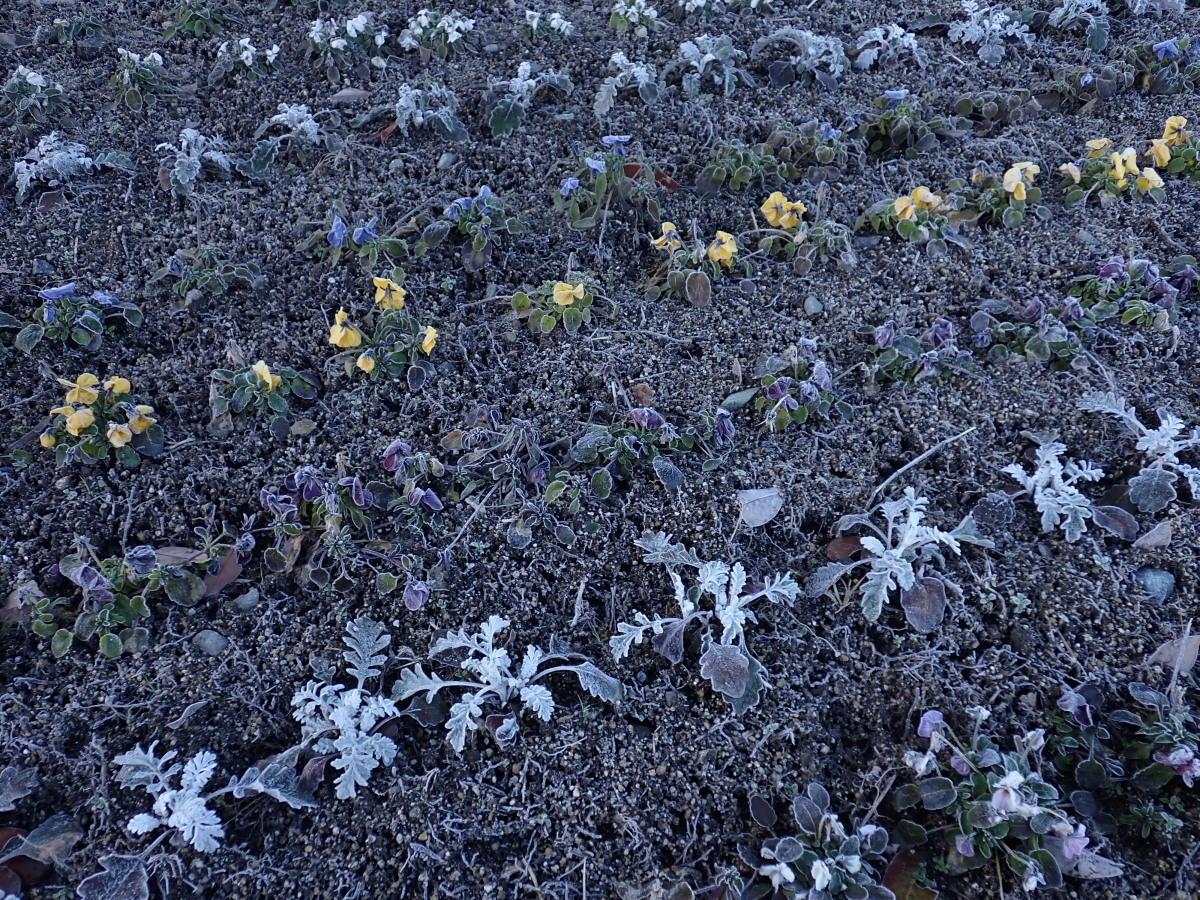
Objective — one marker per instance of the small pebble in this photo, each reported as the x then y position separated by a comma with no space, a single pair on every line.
210,642
1157,583
812,306
246,601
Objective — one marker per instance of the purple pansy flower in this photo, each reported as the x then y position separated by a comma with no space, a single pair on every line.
52,294
365,231
647,418
885,336
930,722
964,845
416,594
616,141
598,166
567,186
821,376
895,97
1033,311
337,232
1167,49
778,388
1112,268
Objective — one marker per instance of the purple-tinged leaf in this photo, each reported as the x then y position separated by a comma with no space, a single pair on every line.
924,604
727,667
1116,522
123,878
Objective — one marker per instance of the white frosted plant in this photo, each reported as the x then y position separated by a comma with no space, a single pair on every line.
506,102
1052,486
807,57
434,107
338,44
719,604
895,555
1090,16
186,809
711,59
29,96
989,27
642,77
885,45
243,60
435,32
538,24
342,722
1154,486
493,679
55,163
636,16
196,156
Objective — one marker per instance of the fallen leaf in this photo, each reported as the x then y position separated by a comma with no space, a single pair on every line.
1158,536
51,199
759,506
643,394
50,843
924,604
19,602
900,878
841,549
349,95
180,556
229,570
123,878
737,400
1184,650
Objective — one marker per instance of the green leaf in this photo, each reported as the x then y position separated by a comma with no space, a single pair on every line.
737,400
61,642
937,792
111,646
520,302
601,484
572,319
385,582
506,117
28,338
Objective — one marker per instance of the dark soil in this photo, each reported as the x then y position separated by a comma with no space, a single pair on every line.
597,799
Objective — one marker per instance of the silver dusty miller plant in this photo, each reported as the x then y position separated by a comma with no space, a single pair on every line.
989,27
1154,486
710,59
343,722
434,107
808,57
186,809
495,680
52,163
725,658
895,557
1053,488
196,157
884,45
630,75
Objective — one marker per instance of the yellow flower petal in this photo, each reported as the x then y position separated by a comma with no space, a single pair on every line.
565,294
722,249
1174,133
429,340
388,294
344,336
119,435
62,410
1149,180
118,385
1160,152
80,420
774,208
266,380
905,208
1098,147
366,362
670,238
47,440
82,390
1072,170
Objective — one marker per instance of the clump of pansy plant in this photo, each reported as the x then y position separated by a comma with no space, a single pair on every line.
334,239
77,28
413,471
29,97
819,858
1137,290
1003,200
611,184
235,393
506,101
62,317
566,303
913,355
139,80
921,217
816,149
206,270
900,125
1170,66
1178,150
480,222
803,242
691,266
1081,85
346,46
1123,759
115,593
392,342
639,17
537,24
612,453
102,418
736,165
795,389
336,512
1106,174
994,807
437,34
197,18
986,112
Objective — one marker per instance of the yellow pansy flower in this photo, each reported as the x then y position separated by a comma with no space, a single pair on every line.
265,379
774,208
670,237
388,294
905,208
341,335
1018,177
117,385
62,410
924,198
82,390
1160,151
141,419
1129,158
792,212
80,420
1118,167
723,249
1098,147
47,440
119,435
566,294
1148,180
366,362
1072,170
429,339
1173,132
